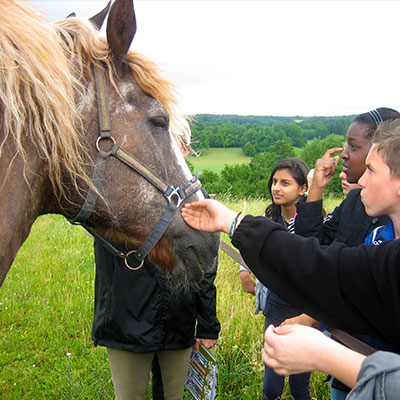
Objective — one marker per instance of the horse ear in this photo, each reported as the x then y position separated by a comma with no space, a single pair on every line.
121,27
98,19
72,15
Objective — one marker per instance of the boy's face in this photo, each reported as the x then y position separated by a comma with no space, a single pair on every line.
380,190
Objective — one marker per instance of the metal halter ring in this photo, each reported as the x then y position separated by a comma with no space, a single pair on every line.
126,261
104,137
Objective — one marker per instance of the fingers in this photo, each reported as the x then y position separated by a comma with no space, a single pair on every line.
326,167
272,363
197,345
197,204
209,343
284,329
269,351
329,152
289,321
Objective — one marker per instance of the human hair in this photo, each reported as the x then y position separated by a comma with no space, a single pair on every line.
373,118
387,143
298,169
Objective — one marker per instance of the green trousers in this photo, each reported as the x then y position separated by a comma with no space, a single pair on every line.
130,372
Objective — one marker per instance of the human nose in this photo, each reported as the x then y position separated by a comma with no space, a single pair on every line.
275,187
345,154
362,180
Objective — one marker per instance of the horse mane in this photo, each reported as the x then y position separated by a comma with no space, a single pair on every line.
37,99
42,67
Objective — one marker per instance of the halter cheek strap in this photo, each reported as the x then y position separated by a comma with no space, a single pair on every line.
174,196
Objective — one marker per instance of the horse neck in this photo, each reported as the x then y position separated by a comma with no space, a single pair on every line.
19,205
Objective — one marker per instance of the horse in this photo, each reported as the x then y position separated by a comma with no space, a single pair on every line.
88,130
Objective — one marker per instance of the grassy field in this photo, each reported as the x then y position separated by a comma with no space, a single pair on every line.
46,307
215,159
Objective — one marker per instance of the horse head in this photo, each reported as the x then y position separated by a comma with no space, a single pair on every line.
143,122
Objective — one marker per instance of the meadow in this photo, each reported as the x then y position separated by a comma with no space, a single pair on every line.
215,159
46,309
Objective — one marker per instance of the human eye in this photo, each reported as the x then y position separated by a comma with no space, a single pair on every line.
353,146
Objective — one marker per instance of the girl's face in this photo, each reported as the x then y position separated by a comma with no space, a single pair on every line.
285,190
355,152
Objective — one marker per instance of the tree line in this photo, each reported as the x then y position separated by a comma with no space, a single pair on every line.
267,140
255,134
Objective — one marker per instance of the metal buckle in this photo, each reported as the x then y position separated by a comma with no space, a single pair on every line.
179,199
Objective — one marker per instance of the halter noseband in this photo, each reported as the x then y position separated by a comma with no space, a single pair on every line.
174,196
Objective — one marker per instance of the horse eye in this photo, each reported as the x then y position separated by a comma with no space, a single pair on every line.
159,122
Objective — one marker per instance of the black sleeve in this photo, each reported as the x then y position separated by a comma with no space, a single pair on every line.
355,289
208,325
310,221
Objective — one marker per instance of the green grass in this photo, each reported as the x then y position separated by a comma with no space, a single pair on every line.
215,159
46,310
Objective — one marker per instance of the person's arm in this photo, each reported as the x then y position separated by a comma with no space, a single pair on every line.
310,221
293,349
354,289
208,326
379,378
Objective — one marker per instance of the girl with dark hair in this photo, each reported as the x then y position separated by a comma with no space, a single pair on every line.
286,185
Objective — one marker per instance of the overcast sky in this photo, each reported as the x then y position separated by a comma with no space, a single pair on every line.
268,57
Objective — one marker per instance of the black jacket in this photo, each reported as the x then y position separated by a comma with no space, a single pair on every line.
138,311
355,289
348,223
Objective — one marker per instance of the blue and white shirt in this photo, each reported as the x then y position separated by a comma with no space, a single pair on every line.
380,234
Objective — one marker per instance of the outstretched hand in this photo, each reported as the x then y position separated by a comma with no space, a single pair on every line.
208,215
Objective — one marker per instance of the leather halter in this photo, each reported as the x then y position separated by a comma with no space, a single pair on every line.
174,196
